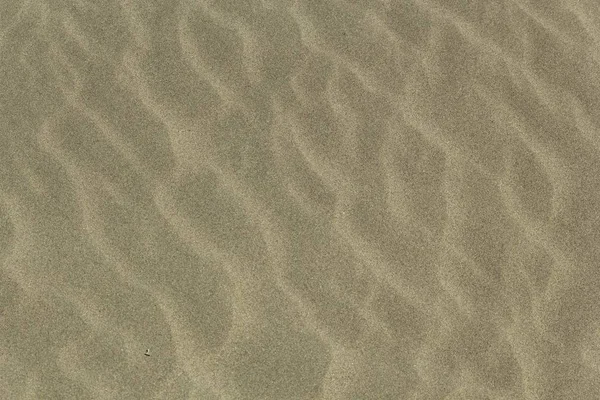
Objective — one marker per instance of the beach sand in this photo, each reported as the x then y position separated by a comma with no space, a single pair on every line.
290,200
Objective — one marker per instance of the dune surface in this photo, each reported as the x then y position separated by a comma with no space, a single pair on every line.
300,199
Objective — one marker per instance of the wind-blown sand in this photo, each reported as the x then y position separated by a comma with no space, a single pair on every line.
277,199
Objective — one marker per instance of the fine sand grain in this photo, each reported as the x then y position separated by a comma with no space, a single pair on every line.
300,199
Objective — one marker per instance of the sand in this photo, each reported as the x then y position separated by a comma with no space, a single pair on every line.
277,199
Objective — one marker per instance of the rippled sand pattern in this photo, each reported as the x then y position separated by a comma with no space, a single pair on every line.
277,199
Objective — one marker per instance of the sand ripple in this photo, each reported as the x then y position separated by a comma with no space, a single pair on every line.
299,199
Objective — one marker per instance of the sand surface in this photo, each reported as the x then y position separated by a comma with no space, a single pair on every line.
300,199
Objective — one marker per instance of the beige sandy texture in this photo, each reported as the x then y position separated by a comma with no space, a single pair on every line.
308,199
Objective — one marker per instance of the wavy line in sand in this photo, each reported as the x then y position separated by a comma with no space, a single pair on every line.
311,40
251,49
185,346
555,169
275,239
230,96
284,154
15,21
340,183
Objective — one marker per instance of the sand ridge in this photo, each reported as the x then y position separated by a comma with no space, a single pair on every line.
299,199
